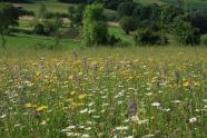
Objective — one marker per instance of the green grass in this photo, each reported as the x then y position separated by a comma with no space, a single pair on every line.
119,33
149,1
23,41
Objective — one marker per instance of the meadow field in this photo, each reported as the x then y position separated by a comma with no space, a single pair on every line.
104,92
108,69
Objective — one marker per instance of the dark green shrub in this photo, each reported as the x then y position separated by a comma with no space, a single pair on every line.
147,36
8,17
100,33
204,39
39,29
47,27
112,40
50,27
186,33
199,20
110,15
126,8
128,24
76,15
168,15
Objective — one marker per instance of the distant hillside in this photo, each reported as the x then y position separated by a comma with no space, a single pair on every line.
191,4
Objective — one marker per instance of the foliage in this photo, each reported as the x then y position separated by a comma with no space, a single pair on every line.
48,27
17,1
148,36
199,20
94,28
39,29
126,8
168,15
128,24
8,17
204,39
110,15
76,15
186,33
111,4
78,1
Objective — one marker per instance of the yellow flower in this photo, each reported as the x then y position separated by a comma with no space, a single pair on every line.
44,122
72,93
29,105
186,83
38,73
82,96
71,77
80,73
197,84
42,108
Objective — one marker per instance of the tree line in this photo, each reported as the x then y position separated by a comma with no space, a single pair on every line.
148,24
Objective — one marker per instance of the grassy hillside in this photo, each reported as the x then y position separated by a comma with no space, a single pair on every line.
193,4
55,6
52,6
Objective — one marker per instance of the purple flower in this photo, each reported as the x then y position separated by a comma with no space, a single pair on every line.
132,108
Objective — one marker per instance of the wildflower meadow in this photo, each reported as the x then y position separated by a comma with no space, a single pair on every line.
105,94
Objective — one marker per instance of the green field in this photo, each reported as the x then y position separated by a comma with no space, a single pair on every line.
52,6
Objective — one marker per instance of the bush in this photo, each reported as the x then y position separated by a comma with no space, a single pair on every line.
128,24
126,8
185,33
112,40
47,27
100,33
76,15
199,20
8,17
110,15
39,29
147,36
168,15
50,27
204,39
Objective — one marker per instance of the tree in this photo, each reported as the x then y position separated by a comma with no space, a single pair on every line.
8,17
76,15
128,24
94,27
199,20
126,8
149,36
186,33
168,15
58,24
